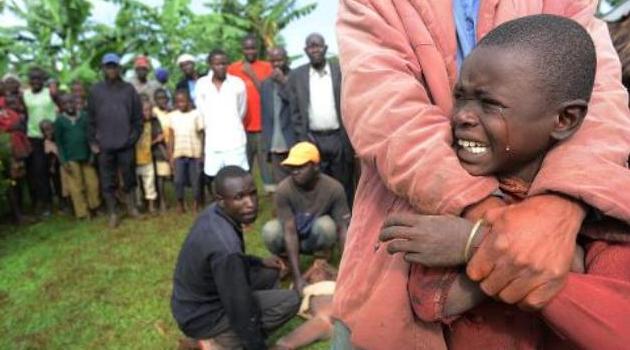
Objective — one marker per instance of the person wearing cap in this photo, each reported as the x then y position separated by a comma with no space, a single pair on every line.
186,63
114,126
312,211
141,81
315,90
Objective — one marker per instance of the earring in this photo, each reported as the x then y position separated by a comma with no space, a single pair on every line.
507,148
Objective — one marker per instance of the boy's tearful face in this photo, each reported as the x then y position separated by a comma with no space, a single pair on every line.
501,120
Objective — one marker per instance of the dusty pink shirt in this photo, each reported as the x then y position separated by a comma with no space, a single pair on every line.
398,61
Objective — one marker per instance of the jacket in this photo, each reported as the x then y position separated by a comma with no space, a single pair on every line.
267,90
398,60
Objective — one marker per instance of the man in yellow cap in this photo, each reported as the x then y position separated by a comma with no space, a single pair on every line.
312,211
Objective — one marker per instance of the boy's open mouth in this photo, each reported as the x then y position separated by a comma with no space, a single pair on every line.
474,147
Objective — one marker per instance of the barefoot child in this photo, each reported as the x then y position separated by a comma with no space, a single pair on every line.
151,134
75,156
186,145
162,162
521,92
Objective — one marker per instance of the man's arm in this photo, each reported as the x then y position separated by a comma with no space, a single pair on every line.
91,122
58,139
291,239
391,117
297,119
590,165
230,276
135,117
341,215
292,243
241,99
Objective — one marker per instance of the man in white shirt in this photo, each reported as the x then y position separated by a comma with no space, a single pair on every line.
314,91
222,100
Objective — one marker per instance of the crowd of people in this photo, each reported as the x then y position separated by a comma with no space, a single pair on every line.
120,143
141,132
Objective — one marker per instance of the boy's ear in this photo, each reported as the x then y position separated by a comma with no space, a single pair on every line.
569,118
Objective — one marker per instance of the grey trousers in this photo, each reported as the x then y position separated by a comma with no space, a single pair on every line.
277,306
255,149
323,236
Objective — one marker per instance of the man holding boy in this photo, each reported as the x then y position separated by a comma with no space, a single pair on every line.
220,295
115,123
312,211
400,127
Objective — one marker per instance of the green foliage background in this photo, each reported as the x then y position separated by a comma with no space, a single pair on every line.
60,35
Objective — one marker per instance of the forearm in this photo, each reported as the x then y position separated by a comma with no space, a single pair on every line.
158,139
237,300
293,250
462,296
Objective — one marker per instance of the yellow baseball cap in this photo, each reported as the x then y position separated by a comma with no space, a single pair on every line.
302,153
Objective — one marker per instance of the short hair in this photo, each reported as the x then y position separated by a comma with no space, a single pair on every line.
144,97
159,91
183,91
37,72
278,48
216,52
314,36
250,36
45,122
227,172
562,49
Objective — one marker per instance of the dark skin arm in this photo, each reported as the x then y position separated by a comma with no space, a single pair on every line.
439,241
171,146
293,251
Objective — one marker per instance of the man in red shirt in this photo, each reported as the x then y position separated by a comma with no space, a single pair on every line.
253,71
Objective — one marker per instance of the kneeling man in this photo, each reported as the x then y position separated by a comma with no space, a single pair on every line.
220,295
312,211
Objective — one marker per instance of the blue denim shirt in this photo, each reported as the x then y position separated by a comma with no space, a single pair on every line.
465,13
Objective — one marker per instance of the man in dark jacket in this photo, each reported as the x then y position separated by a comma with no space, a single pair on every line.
221,296
186,63
114,126
277,132
315,112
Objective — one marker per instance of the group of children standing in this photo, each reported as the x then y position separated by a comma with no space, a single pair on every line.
170,147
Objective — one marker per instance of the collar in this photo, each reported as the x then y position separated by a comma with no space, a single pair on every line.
322,73
221,213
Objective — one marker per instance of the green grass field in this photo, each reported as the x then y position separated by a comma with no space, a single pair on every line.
67,284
